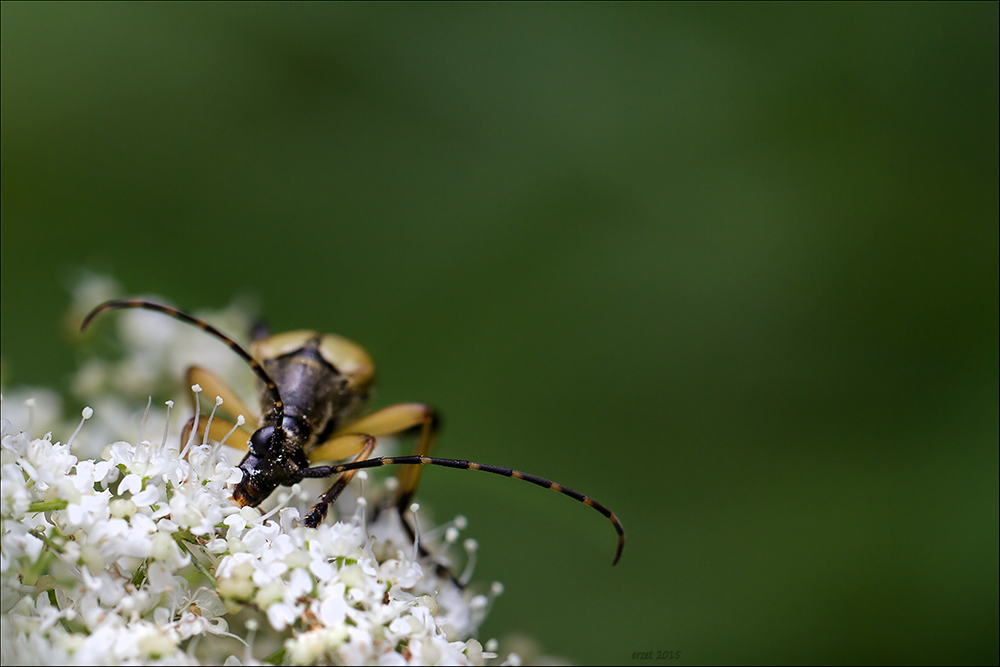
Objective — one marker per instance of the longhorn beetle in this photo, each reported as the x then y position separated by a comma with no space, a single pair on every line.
315,386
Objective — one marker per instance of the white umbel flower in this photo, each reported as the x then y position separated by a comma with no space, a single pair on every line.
108,565
140,556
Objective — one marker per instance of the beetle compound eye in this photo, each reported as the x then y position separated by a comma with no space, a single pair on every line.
260,441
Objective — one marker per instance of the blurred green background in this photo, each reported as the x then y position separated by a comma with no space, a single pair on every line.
730,269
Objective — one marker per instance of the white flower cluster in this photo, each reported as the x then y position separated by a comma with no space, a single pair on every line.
131,558
129,553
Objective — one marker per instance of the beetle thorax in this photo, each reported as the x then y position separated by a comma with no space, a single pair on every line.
314,391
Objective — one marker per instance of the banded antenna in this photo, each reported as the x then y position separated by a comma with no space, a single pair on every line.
272,388
328,471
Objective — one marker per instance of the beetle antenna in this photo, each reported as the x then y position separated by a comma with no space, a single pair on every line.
272,388
327,471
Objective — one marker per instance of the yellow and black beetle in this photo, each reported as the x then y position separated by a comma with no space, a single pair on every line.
315,387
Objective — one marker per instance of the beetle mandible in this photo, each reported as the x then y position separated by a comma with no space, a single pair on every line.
315,387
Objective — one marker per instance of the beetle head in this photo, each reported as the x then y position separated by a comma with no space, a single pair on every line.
269,463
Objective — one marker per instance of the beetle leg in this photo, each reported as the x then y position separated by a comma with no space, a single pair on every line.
212,385
338,447
396,419
350,441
